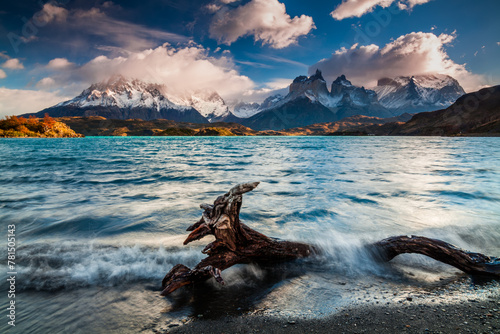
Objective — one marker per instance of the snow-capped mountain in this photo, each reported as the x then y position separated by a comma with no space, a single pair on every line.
209,103
119,98
418,93
245,109
308,101
122,93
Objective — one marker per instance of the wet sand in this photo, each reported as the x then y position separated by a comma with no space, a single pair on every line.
458,307
470,317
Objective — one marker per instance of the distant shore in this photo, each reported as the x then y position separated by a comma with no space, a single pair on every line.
352,126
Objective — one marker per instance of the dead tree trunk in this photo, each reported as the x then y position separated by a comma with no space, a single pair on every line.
236,243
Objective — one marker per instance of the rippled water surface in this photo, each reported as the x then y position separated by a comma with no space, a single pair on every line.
99,221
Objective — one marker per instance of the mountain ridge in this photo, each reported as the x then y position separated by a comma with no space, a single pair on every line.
308,101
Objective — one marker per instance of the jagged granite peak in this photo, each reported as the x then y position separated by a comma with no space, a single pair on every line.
345,92
315,76
313,87
342,80
419,92
309,102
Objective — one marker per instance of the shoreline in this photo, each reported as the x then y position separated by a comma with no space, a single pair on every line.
454,307
472,317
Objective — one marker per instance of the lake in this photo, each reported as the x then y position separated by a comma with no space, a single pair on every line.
100,220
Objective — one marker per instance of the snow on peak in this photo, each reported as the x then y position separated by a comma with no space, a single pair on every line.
208,103
419,91
124,93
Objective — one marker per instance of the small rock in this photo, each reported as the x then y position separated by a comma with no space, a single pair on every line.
173,325
409,299
291,322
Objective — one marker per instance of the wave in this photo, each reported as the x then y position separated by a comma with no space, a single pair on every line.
69,265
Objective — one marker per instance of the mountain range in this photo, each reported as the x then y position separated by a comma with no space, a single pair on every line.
308,102
473,114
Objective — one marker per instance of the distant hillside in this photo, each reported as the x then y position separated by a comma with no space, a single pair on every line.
345,124
474,114
100,126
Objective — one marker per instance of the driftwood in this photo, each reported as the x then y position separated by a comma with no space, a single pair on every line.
236,243
468,262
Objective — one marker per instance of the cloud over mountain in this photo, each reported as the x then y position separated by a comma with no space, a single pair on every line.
266,20
358,8
411,54
187,68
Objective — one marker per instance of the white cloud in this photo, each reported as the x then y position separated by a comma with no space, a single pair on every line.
46,83
32,101
13,64
411,54
212,7
59,63
2,74
51,13
265,20
279,83
358,8
181,69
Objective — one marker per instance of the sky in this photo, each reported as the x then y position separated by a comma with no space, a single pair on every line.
245,50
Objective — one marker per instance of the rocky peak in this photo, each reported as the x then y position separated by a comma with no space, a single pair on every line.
344,90
342,80
315,85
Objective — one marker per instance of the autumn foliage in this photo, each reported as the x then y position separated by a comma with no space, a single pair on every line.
13,126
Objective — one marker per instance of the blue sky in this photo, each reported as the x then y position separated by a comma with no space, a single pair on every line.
50,51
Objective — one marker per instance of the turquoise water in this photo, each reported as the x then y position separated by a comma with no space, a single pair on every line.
99,221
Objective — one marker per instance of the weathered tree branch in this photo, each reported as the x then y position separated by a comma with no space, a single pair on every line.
468,262
236,243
